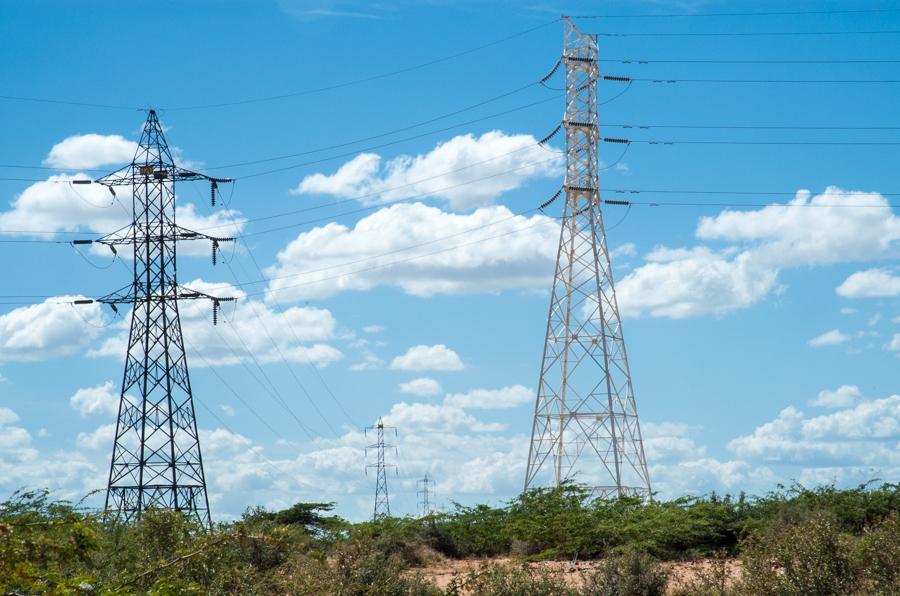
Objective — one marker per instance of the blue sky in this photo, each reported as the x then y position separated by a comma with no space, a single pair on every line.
763,340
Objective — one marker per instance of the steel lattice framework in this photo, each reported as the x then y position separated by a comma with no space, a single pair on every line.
585,419
427,490
156,460
382,503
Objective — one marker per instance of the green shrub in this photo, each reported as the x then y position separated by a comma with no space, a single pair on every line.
510,580
632,573
470,531
45,546
876,556
808,556
711,577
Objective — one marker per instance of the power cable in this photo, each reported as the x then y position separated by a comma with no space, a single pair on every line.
264,279
397,262
353,199
744,127
748,33
209,366
383,204
284,360
379,135
721,192
720,61
45,298
271,389
293,331
290,94
397,141
224,424
736,14
330,147
771,81
629,202
733,142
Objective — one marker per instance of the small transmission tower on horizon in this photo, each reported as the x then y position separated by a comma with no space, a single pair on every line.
156,459
382,502
585,417
426,490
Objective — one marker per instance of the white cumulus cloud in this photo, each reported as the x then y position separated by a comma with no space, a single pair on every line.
486,399
56,205
423,387
499,162
871,283
90,151
894,344
422,250
100,438
832,227
829,338
864,433
842,397
680,283
51,329
295,334
99,400
422,357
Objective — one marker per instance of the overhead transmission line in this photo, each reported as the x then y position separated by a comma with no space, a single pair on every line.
744,126
740,142
337,145
260,320
354,199
766,81
277,307
421,195
399,261
288,95
264,279
747,33
642,61
737,14
321,149
5,299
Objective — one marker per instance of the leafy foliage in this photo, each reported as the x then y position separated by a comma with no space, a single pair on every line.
794,541
632,572
508,580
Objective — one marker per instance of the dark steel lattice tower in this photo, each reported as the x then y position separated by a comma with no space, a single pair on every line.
585,418
156,460
426,491
382,503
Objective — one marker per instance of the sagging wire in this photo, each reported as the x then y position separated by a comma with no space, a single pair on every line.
549,201
619,159
71,186
91,263
230,259
74,306
549,75
624,217
547,138
618,95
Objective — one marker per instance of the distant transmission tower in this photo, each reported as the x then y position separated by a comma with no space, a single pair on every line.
156,460
585,418
426,490
382,503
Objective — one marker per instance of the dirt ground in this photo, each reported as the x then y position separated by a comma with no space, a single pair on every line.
443,572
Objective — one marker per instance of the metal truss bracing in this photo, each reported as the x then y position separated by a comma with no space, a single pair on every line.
585,421
382,502
426,507
156,460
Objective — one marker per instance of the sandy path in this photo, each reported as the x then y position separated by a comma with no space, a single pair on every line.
443,572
